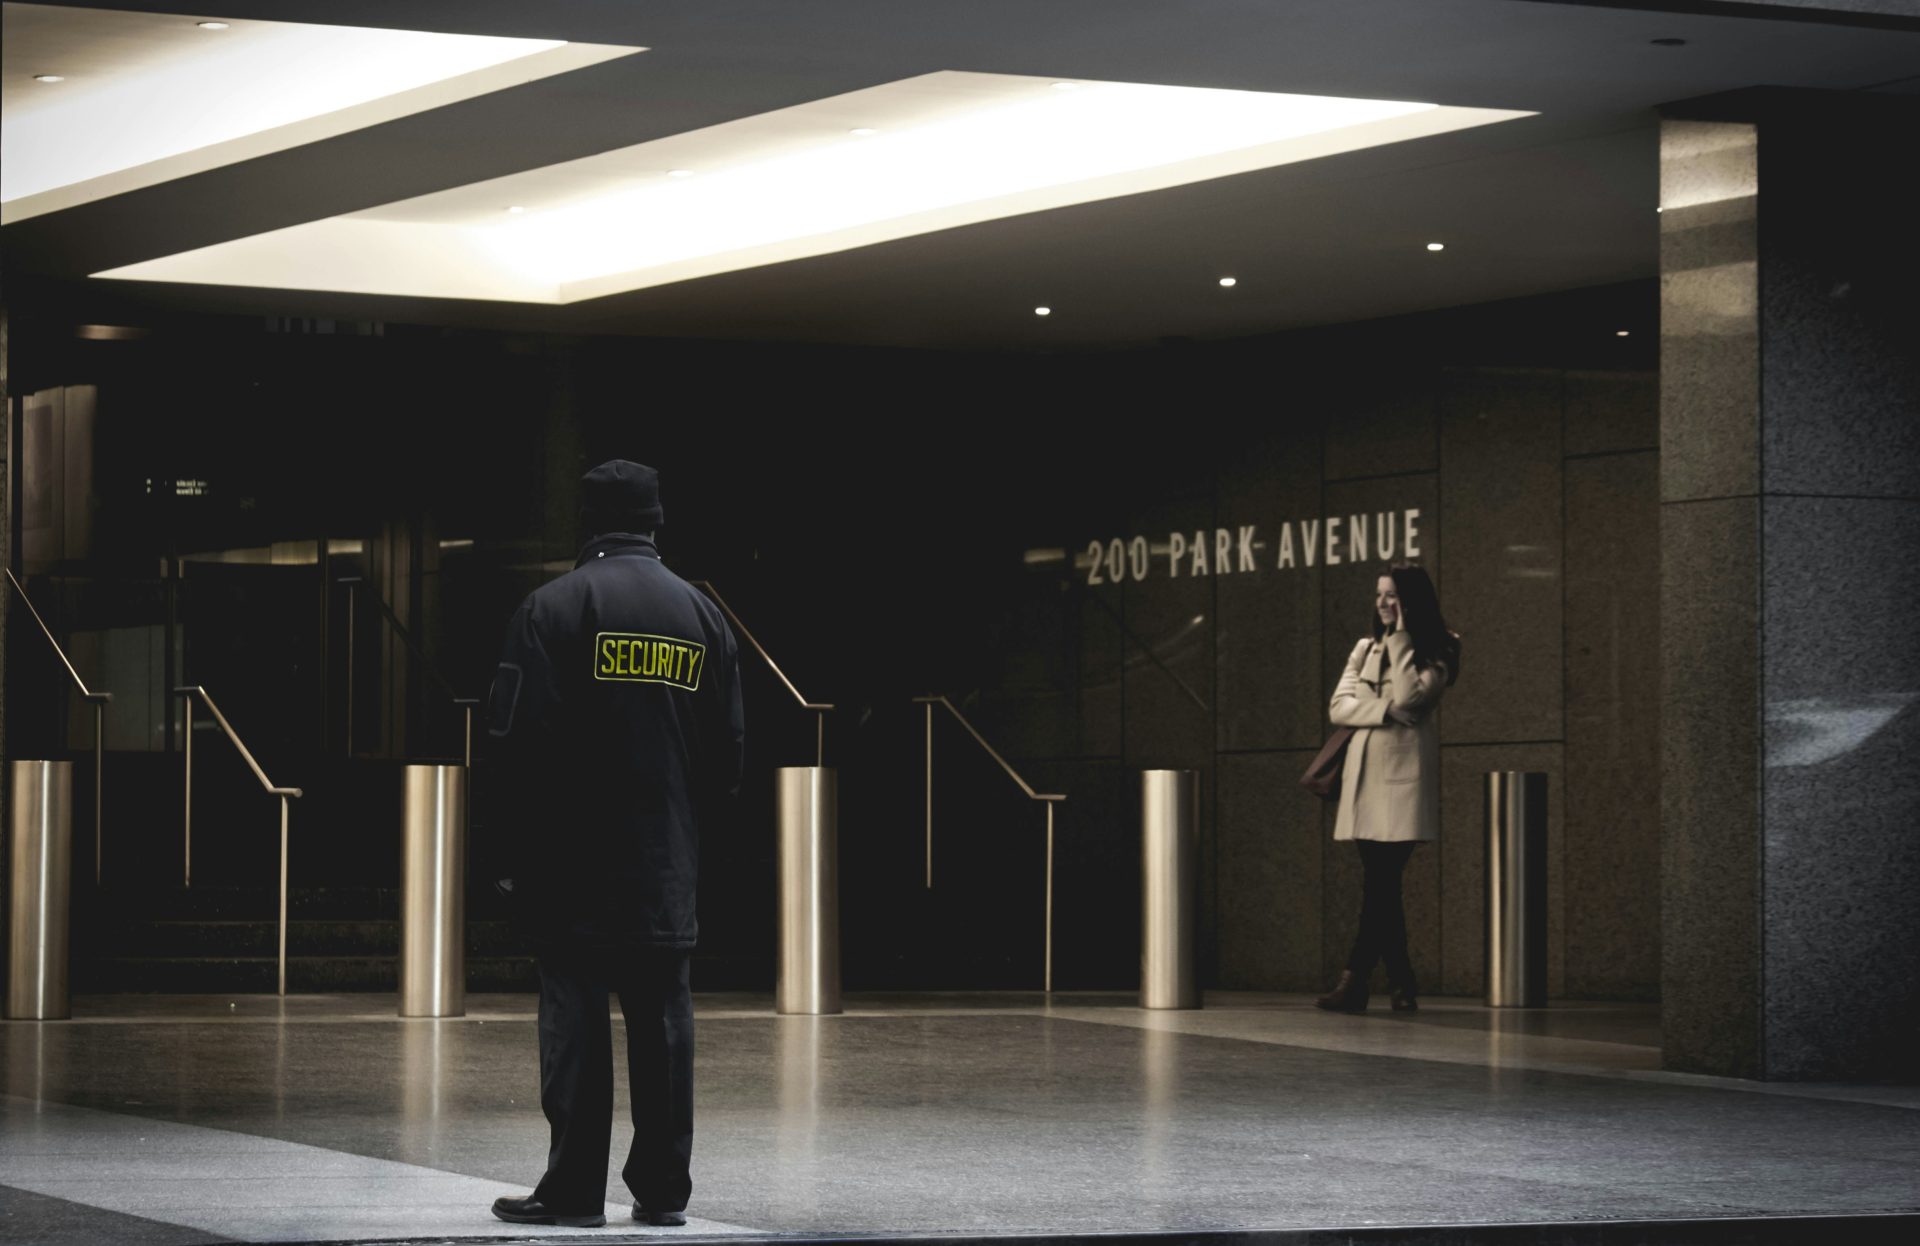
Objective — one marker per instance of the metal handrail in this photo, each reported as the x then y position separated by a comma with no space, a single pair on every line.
190,691
1049,799
426,661
818,707
99,701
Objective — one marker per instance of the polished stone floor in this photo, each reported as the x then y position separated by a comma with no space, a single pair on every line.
171,1119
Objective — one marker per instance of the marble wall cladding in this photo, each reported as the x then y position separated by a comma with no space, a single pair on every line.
1168,667
1029,704
1381,423
1500,507
1271,846
1710,786
1102,653
1841,386
1608,412
1410,505
1842,793
1267,646
1462,858
1612,862
1709,310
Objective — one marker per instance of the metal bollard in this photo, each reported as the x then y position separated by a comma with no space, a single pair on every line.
1169,874
809,813
433,893
1516,889
41,840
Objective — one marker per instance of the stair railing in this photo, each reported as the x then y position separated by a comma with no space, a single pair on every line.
191,692
427,664
819,708
1048,800
99,701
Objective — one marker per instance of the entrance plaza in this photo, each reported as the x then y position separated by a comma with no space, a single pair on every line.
1114,622
195,1119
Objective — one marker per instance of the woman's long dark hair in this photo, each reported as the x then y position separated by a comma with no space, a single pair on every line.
1433,640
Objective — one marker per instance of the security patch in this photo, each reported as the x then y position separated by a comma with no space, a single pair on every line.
626,657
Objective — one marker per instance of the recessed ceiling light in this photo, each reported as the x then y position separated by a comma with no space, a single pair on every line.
679,172
1043,311
1229,282
1659,210
211,25
1620,332
1436,246
48,78
1066,86
962,148
516,209
865,131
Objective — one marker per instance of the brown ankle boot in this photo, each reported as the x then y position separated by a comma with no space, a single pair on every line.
1348,995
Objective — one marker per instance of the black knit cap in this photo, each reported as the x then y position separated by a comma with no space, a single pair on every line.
619,496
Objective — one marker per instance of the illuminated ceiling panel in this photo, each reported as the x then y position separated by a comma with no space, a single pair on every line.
909,157
144,98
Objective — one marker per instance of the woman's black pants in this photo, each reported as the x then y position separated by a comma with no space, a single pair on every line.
1383,921
576,1075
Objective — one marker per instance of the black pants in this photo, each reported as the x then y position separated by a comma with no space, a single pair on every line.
1383,921
576,1075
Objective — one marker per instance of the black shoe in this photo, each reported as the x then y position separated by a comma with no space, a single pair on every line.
665,1219
1349,995
531,1210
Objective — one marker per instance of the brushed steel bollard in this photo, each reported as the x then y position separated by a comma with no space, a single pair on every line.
41,848
1516,889
433,893
809,813
1169,878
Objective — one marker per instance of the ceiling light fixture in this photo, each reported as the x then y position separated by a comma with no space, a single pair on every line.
865,131
515,210
1043,311
154,103
1436,246
959,149
1229,282
1620,332
1066,86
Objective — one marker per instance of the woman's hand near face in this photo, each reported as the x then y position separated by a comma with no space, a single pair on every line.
1404,717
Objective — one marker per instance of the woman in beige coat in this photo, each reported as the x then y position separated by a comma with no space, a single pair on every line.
1390,787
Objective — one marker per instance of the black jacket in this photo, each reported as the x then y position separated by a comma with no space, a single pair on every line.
614,721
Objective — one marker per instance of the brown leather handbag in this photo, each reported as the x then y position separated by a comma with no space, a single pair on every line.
1324,774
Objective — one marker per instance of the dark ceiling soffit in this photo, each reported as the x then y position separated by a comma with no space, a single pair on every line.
1797,104
1759,9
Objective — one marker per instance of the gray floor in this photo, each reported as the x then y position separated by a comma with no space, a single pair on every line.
167,1119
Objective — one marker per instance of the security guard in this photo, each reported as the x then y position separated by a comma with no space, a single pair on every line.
615,719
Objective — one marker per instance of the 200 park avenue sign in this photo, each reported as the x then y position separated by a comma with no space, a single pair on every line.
1330,541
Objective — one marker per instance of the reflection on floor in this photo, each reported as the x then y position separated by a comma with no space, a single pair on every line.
171,1119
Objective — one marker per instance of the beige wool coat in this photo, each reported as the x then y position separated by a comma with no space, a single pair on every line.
1390,788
